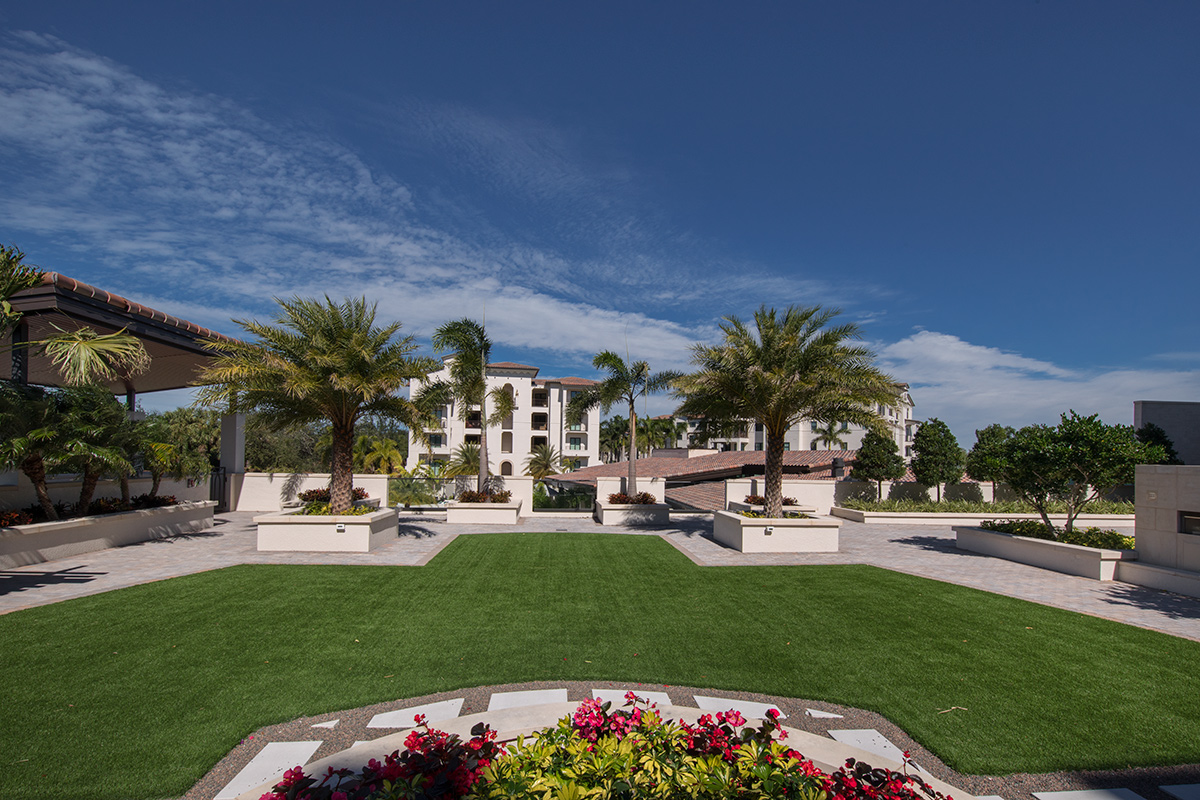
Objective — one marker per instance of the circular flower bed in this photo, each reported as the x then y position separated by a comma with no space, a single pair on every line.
599,752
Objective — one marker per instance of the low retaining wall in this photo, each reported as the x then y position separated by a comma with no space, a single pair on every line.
1152,576
735,507
633,516
47,541
483,513
910,518
815,534
335,533
1072,559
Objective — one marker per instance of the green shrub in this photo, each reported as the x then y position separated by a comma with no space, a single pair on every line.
484,497
322,510
1086,537
786,515
979,507
759,500
639,499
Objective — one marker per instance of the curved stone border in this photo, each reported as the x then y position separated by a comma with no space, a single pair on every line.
351,726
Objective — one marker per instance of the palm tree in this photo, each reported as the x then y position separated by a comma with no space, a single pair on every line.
543,460
790,367
384,455
830,434
467,387
464,461
625,383
614,435
28,425
81,355
321,361
95,437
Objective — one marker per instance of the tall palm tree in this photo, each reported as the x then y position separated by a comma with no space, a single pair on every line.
320,361
789,367
543,460
95,437
614,436
830,434
467,387
626,382
464,461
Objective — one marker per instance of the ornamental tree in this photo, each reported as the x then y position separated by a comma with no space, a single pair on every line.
937,458
879,460
986,461
1079,460
1153,434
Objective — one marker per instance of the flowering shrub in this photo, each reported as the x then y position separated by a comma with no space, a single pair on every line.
322,495
759,500
765,515
10,518
639,499
434,764
605,753
484,497
1087,537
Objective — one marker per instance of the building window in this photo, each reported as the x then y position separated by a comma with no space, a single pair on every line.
844,447
813,446
575,443
758,445
787,445
435,440
576,427
814,426
845,427
575,394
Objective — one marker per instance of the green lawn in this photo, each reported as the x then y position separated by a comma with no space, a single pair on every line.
137,693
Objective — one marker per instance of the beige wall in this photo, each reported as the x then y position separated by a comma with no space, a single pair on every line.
1161,493
268,491
607,486
22,495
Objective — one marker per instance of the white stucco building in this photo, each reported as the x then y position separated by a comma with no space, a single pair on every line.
807,434
540,417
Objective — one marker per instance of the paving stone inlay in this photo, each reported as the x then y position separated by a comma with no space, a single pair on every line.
1090,794
1184,791
530,697
275,759
617,696
434,712
743,707
870,740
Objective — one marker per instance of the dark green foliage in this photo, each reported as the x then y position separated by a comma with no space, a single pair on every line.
986,461
1152,434
1087,537
937,458
879,460
288,450
1079,460
184,669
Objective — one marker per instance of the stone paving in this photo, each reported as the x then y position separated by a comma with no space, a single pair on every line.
921,550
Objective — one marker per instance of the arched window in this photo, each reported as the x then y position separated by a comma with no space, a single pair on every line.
506,468
506,442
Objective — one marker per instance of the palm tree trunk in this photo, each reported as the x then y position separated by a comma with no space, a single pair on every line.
631,478
341,479
155,480
773,474
86,489
35,469
124,488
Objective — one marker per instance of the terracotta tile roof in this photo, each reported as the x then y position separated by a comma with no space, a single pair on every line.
510,365
565,381
708,496
716,466
128,306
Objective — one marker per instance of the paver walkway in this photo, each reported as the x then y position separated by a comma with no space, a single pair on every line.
918,550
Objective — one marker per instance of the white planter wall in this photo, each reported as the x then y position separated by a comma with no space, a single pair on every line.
17,491
484,513
776,535
46,541
654,486
1072,559
636,516
295,532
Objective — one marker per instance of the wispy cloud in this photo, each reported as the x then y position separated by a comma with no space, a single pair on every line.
970,386
191,200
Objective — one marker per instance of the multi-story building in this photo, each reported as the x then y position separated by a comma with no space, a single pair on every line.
809,434
540,417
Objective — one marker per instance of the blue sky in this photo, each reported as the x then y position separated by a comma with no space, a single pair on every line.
1003,195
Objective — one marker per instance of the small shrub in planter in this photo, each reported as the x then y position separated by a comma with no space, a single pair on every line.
11,518
322,495
1086,537
786,515
484,497
639,499
759,500
322,510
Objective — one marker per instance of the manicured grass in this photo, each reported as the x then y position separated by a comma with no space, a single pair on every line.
137,693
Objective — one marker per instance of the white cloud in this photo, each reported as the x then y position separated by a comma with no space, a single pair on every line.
970,386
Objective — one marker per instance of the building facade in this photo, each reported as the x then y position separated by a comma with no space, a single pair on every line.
539,417
810,435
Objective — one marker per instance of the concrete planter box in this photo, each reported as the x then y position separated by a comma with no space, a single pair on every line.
776,535
483,513
294,532
1072,559
632,515
735,507
909,518
46,541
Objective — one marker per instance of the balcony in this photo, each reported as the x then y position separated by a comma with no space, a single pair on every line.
541,401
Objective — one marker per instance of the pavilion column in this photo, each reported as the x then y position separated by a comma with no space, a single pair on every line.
233,458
